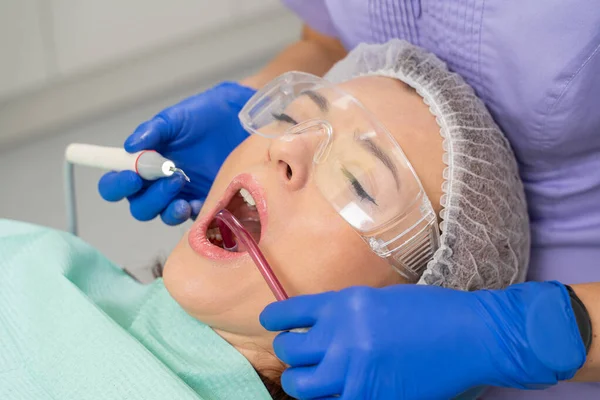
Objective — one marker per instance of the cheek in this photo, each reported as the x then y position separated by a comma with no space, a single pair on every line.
313,255
348,261
250,152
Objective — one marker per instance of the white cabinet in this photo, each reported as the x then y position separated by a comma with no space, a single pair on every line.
91,33
22,61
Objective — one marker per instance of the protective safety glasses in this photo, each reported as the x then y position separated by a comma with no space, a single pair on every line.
357,165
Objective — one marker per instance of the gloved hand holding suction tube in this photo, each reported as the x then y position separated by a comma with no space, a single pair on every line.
197,135
425,342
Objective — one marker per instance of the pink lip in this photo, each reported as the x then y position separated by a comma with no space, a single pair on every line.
197,235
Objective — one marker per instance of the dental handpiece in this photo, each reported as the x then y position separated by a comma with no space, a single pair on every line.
147,164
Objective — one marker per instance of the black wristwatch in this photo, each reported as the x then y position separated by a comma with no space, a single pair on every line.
583,318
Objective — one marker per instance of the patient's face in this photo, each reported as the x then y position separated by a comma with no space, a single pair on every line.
309,246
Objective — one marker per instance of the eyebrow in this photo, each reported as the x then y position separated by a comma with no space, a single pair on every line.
319,99
378,152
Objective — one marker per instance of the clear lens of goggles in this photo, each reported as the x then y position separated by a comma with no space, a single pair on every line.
358,166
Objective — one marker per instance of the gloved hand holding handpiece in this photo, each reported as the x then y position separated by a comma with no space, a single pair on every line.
197,134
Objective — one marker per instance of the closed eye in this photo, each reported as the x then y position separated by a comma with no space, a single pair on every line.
357,187
284,118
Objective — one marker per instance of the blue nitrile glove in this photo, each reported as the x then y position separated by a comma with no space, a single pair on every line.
425,342
197,134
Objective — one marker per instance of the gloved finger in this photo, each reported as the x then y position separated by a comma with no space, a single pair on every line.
176,213
295,312
312,382
115,186
196,207
150,135
156,198
332,398
301,349
329,398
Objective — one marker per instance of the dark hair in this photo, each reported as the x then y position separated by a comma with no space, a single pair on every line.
273,386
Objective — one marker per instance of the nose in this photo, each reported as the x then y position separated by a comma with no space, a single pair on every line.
292,156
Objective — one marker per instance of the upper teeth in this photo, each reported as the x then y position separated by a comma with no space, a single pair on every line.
247,197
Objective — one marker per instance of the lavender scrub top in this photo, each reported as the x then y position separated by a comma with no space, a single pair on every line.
536,65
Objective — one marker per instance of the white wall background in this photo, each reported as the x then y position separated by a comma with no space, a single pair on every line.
62,60
24,63
91,71
44,40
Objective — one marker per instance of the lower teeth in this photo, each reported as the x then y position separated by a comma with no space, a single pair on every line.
214,234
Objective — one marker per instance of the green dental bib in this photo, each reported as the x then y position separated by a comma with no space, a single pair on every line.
75,326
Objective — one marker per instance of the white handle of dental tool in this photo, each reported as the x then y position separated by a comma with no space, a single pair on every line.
148,164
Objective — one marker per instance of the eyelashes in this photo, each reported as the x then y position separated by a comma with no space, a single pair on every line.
284,118
357,187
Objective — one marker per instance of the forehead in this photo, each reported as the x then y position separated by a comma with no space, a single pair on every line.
391,102
399,108
384,97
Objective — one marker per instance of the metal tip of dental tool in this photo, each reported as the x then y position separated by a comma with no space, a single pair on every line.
180,171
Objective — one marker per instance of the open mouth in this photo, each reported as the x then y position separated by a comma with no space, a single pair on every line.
243,207
244,199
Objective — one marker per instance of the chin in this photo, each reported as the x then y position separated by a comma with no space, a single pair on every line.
212,293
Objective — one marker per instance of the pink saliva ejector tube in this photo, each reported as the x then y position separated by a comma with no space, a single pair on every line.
229,243
227,224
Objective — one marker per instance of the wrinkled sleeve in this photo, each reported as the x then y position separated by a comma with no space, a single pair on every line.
315,14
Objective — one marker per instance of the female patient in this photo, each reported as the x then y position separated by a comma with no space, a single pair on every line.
324,165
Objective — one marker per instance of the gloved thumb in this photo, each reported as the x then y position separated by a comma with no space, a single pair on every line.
296,312
150,135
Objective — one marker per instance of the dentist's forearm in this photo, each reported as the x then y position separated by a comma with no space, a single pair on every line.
589,294
314,53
